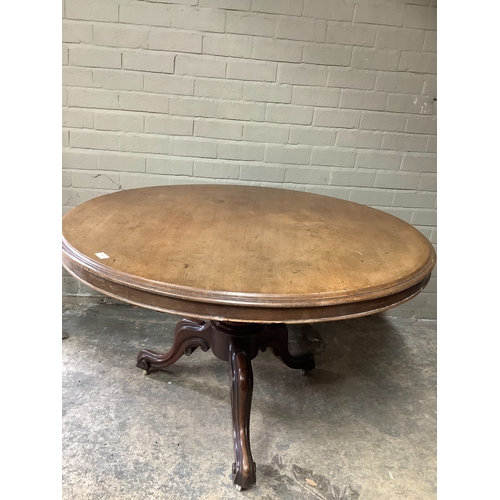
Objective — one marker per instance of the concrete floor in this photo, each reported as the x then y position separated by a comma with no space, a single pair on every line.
361,425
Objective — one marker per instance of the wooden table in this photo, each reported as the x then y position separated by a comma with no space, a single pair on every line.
239,262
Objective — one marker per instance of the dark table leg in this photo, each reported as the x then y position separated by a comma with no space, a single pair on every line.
189,335
240,370
238,344
275,336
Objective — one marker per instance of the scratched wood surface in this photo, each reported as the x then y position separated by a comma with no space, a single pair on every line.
248,245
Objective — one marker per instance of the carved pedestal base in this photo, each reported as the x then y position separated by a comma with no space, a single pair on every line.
238,344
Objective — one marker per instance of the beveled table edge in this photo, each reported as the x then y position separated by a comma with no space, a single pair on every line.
314,311
70,254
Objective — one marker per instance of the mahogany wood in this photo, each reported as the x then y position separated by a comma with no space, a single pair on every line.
241,373
188,336
241,261
237,343
245,253
275,336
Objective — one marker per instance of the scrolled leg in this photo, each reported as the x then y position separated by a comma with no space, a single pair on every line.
236,343
189,335
240,369
275,336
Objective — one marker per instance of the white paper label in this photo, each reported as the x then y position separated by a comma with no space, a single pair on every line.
102,255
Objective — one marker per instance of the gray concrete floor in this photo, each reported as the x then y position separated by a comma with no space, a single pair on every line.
361,425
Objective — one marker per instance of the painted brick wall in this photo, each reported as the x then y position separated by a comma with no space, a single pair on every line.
327,96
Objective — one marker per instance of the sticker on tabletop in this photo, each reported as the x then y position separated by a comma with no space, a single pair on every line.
102,255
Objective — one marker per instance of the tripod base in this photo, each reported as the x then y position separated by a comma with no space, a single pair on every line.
238,344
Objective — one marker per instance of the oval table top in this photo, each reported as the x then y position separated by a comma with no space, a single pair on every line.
245,253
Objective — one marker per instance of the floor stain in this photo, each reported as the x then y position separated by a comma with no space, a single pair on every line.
310,484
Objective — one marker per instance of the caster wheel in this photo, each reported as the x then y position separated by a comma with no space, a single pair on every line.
145,372
303,372
238,487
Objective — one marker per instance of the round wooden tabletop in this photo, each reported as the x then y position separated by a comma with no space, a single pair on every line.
245,253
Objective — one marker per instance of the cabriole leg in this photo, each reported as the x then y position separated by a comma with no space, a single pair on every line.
240,369
189,335
275,336
236,343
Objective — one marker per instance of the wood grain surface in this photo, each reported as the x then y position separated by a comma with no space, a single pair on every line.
245,253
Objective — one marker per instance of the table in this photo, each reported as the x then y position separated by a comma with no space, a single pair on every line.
239,263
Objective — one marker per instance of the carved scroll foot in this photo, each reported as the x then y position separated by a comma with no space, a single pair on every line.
275,336
189,335
240,369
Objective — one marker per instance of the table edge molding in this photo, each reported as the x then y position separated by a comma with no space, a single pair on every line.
240,312
72,257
